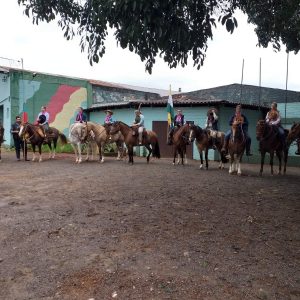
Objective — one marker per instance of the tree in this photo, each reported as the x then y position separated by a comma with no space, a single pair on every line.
172,29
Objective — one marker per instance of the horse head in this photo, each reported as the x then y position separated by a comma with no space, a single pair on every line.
294,133
195,132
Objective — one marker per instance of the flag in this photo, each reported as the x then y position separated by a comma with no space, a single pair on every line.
170,109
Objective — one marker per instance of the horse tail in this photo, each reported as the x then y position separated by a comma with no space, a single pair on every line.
63,138
156,151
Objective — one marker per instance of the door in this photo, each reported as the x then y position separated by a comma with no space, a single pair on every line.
161,128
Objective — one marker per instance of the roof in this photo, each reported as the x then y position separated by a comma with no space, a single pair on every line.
247,94
178,100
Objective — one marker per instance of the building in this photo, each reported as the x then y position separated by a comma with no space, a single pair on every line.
24,90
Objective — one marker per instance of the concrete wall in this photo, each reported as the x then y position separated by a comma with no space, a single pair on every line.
62,96
5,105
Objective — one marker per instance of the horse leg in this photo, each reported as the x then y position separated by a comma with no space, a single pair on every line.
201,159
231,164
102,155
75,152
40,153
54,148
279,155
262,161
185,157
206,158
50,148
271,161
174,154
239,170
33,152
79,153
285,158
130,154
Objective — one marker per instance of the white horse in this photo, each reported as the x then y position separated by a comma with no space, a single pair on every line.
77,136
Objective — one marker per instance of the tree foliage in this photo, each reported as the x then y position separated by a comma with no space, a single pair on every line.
171,29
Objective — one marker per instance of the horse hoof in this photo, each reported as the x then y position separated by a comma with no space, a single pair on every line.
239,174
201,167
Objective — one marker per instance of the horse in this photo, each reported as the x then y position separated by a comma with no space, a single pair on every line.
150,140
31,134
236,148
204,143
77,137
180,141
1,138
269,141
294,134
102,137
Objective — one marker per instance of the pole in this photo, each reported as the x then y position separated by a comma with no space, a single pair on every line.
242,79
286,85
169,125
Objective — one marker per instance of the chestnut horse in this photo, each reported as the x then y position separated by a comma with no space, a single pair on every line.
180,141
150,140
236,148
1,137
204,143
31,134
269,141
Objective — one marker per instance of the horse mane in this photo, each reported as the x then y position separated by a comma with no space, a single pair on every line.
97,128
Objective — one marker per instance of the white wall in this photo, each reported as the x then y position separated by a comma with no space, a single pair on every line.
6,104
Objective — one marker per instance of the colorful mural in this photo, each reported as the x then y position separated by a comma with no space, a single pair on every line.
61,100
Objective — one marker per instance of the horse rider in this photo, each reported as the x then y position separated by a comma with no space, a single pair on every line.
211,125
43,121
177,123
139,124
242,119
273,118
18,142
108,121
80,117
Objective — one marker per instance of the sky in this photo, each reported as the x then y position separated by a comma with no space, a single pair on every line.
44,49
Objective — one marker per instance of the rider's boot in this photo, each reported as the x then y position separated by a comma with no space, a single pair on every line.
140,138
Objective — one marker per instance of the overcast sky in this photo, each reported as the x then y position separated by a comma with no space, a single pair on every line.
44,49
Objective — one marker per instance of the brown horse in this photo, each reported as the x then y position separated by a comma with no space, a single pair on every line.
1,137
150,140
180,141
31,133
269,141
236,148
294,134
204,143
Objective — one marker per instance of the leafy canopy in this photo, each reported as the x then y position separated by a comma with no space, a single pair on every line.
172,29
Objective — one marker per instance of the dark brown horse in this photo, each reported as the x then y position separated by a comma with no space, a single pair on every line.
269,141
180,141
294,134
204,143
150,140
236,148
31,133
1,137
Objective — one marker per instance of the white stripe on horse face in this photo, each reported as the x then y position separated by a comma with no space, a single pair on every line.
21,130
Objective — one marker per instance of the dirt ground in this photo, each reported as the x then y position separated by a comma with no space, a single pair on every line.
157,231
